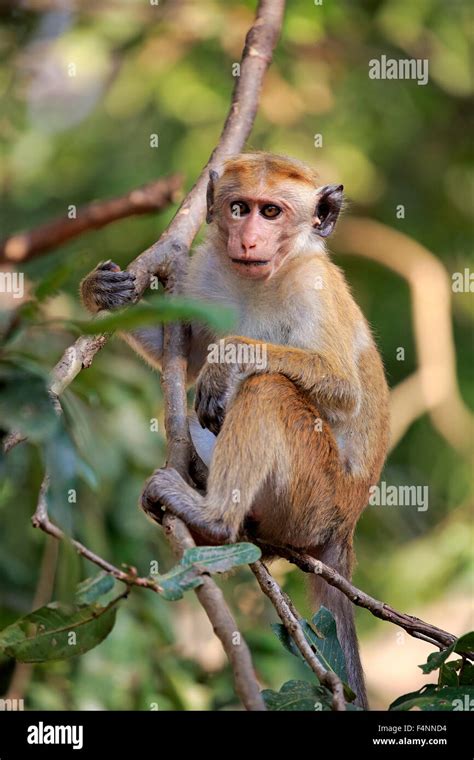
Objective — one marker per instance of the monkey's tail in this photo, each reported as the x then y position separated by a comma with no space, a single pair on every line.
341,559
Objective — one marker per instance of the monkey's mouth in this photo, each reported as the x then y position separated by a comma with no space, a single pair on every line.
252,269
251,262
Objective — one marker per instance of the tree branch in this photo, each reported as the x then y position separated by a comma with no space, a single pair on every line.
291,621
223,623
168,258
209,595
152,197
41,520
162,257
412,625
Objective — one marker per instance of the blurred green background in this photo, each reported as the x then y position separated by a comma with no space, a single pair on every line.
142,70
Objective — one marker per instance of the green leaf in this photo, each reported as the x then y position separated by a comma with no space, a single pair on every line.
446,698
448,675
463,645
44,635
163,310
298,696
329,649
204,559
466,675
426,690
92,588
326,646
436,659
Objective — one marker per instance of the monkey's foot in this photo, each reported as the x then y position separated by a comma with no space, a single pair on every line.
159,491
166,488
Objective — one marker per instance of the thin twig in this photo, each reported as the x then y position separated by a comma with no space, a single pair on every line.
412,625
292,624
209,595
152,197
41,520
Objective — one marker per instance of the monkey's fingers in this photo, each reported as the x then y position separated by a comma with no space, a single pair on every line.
210,411
109,289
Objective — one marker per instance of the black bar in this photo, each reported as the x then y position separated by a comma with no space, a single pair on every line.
294,734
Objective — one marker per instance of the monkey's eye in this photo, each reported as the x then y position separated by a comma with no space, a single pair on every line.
270,211
238,209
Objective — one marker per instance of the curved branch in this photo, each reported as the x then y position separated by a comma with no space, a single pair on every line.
152,197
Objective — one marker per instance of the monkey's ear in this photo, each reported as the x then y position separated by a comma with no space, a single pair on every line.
327,209
213,176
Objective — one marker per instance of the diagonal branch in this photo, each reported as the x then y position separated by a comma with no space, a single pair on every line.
209,595
155,196
41,520
412,625
291,621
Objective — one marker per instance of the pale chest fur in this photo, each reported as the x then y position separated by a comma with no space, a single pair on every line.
266,311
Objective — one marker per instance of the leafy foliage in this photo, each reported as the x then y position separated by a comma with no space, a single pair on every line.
204,559
161,310
322,638
432,697
455,687
45,634
463,645
455,690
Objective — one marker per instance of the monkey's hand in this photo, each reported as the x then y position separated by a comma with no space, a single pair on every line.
107,287
215,386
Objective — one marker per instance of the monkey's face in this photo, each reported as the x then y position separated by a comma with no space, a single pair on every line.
257,235
267,209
